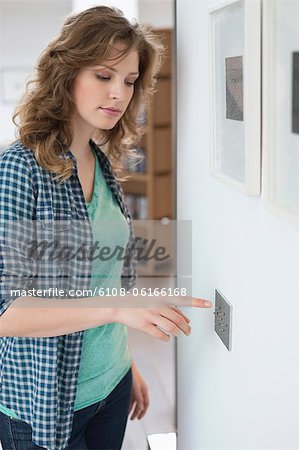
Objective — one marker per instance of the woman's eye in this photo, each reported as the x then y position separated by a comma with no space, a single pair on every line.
101,77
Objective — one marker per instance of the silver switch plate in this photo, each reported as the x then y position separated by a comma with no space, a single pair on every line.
223,319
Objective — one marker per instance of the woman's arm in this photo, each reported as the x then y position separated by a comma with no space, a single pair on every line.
42,317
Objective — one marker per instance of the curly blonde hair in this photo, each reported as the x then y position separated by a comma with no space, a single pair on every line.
44,111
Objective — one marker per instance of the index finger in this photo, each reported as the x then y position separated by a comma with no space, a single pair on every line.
194,302
201,303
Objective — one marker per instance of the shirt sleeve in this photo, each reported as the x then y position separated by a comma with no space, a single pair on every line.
17,227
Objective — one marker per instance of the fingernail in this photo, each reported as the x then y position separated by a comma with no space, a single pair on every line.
208,303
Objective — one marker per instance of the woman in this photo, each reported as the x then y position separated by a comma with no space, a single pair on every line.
67,377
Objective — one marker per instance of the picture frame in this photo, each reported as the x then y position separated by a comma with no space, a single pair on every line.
235,93
280,109
13,83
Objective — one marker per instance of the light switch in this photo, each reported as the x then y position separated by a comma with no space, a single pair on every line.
223,319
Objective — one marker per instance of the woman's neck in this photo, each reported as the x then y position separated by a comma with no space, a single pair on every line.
81,136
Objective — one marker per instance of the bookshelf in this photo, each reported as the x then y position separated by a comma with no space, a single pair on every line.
149,188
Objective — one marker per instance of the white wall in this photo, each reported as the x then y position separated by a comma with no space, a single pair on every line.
26,27
128,7
247,398
159,13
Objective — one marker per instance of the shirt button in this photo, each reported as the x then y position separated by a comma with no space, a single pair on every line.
128,219
75,369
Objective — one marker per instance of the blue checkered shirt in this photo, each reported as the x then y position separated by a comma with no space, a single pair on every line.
38,376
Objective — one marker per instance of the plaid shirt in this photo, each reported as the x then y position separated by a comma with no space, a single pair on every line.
38,376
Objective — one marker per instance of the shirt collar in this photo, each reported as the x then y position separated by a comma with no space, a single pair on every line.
68,155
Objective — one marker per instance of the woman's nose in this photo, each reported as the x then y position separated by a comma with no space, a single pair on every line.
116,91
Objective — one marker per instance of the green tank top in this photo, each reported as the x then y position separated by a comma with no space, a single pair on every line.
105,354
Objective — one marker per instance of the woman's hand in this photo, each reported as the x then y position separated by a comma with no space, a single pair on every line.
139,395
158,322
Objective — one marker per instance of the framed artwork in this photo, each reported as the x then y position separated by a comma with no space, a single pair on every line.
13,83
235,93
281,107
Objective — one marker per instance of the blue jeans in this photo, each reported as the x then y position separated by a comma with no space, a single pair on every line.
100,426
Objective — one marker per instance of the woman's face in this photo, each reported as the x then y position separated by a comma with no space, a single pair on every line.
103,92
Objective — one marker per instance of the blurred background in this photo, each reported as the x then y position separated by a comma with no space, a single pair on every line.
26,27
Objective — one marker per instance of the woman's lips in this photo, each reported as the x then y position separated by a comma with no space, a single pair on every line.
110,112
